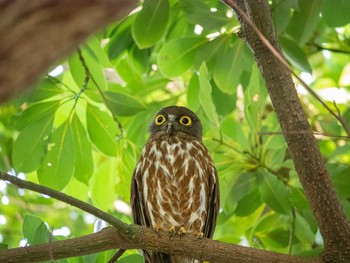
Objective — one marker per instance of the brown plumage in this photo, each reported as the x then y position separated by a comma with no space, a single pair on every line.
175,185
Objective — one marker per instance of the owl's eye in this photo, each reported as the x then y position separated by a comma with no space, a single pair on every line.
160,119
185,120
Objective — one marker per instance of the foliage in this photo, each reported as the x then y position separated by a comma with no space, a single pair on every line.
81,129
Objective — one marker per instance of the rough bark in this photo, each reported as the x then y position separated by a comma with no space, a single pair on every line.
35,34
144,238
315,179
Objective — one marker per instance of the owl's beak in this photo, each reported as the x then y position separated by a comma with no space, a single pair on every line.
169,128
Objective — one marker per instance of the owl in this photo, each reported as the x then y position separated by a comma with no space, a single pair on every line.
175,186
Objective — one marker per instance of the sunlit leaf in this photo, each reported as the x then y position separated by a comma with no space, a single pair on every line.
34,113
84,165
102,130
121,104
150,23
30,147
58,166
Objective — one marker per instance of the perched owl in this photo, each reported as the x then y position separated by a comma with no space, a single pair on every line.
175,185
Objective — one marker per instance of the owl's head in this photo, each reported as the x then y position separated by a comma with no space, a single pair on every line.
174,119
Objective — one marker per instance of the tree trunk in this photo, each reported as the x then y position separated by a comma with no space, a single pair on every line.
314,177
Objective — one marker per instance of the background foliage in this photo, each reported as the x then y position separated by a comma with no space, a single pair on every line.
81,129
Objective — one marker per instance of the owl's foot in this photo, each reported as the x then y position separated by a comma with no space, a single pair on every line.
181,231
198,234
171,231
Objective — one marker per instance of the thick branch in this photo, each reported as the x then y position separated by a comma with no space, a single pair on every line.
303,147
35,34
132,237
144,238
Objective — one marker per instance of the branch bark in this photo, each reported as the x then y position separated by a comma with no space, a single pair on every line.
35,34
332,221
133,237
145,238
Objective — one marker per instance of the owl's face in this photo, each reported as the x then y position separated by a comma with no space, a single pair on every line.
174,119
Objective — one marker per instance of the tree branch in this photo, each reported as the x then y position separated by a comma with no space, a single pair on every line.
30,36
132,237
303,147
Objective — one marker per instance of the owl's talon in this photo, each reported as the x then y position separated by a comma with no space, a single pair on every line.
172,231
157,229
198,234
181,231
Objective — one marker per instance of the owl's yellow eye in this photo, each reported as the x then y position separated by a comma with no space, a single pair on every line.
160,119
185,120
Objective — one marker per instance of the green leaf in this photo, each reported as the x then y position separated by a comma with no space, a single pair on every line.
230,66
102,186
233,129
120,39
303,230
29,226
151,22
295,55
205,95
102,130
30,147
274,193
254,101
281,14
304,21
121,104
297,199
249,203
192,93
177,55
336,12
34,113
223,102
84,165
58,166
41,234
132,258
44,90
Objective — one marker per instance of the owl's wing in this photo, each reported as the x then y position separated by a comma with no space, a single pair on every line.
139,213
213,204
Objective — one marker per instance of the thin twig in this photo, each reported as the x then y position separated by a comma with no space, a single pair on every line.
319,48
87,72
118,224
267,43
292,232
116,256
303,132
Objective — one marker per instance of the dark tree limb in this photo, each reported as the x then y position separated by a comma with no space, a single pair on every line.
309,164
125,236
35,34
